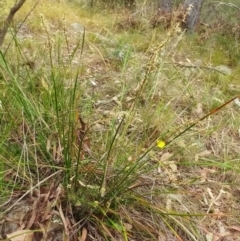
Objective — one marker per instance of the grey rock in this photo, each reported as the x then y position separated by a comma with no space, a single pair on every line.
78,27
224,69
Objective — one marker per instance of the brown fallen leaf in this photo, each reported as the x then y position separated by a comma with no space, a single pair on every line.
128,226
84,235
21,235
234,228
166,156
64,221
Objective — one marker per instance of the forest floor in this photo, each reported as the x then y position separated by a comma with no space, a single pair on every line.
114,130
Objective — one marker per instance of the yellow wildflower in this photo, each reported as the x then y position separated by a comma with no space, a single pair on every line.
161,144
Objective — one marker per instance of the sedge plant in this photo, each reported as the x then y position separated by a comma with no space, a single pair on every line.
105,162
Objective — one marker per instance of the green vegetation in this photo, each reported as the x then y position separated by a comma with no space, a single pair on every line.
104,121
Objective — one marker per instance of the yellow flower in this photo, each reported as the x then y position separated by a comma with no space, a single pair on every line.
161,144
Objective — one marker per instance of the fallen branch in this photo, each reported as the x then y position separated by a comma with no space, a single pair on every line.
9,19
187,65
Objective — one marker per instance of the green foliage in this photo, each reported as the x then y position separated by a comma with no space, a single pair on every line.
114,3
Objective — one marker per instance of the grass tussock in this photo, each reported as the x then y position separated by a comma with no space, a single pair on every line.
116,131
